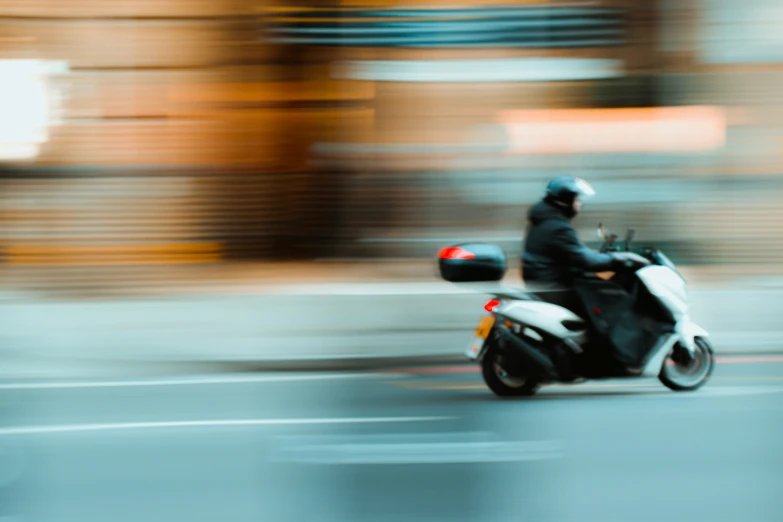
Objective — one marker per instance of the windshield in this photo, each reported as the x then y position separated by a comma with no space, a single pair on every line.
663,260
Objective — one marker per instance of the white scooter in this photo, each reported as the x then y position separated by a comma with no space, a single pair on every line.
636,325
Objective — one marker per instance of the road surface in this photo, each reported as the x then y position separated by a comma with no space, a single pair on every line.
430,445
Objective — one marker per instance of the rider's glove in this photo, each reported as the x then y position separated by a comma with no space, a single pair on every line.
630,260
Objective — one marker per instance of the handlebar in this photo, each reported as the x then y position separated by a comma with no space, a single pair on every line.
610,245
651,254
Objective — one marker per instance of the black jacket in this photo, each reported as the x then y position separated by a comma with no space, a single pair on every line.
552,252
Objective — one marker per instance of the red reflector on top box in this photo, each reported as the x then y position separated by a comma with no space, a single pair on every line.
456,252
472,263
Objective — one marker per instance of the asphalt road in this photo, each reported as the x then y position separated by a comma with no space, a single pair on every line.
428,445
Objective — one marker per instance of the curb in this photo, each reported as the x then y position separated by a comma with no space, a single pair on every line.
339,364
94,369
366,363
51,369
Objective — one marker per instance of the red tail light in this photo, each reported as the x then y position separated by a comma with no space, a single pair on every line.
491,305
456,253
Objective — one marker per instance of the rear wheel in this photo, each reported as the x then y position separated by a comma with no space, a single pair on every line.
505,376
681,372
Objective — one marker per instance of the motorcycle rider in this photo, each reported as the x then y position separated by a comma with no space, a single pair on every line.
554,258
552,253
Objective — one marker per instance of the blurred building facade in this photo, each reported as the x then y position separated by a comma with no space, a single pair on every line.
194,131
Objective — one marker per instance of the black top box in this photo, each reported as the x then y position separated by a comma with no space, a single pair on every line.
472,263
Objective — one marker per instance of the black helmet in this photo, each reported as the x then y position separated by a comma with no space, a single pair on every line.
563,190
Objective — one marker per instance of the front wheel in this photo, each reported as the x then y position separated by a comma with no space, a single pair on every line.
506,377
680,372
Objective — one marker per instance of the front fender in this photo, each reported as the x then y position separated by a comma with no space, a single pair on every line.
687,331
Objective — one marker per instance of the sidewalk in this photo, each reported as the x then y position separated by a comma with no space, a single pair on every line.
78,283
90,283
326,315
276,317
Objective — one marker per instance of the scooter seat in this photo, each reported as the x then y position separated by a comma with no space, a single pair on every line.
564,298
518,294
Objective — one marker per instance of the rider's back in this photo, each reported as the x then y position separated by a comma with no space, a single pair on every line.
552,252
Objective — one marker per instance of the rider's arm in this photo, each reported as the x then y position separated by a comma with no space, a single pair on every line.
567,244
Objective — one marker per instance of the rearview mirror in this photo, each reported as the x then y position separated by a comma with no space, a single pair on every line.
601,232
628,238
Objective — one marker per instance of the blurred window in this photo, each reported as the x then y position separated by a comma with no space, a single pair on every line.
747,31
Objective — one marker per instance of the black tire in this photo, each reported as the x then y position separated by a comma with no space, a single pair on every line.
705,355
491,367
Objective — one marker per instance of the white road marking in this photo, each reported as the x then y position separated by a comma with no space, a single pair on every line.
432,448
120,426
436,453
186,381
